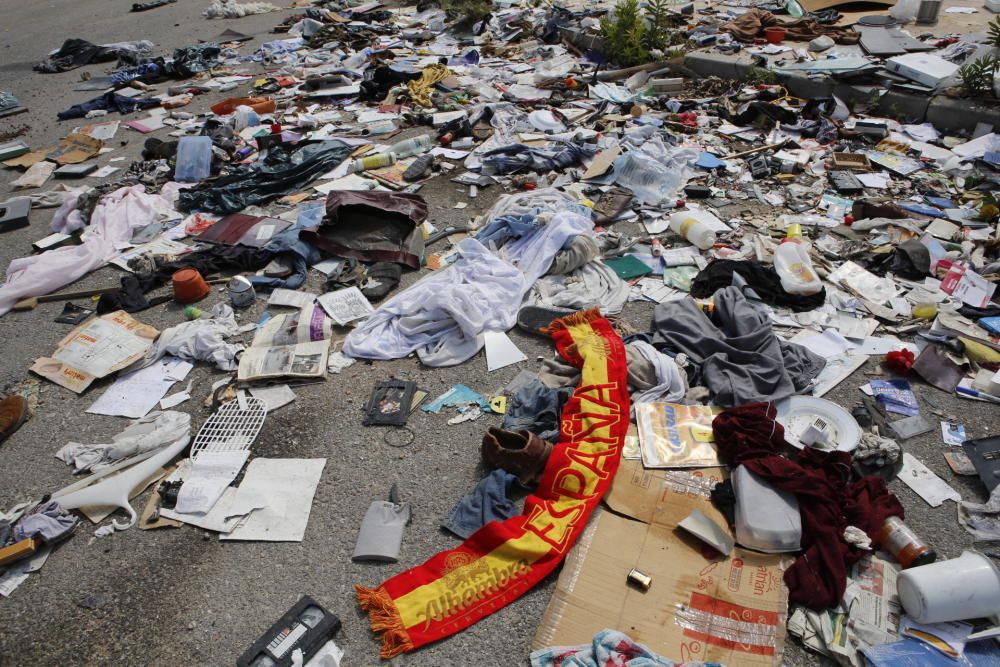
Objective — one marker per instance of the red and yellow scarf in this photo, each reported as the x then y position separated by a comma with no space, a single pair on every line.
502,561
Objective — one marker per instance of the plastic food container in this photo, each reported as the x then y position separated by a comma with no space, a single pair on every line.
767,520
951,590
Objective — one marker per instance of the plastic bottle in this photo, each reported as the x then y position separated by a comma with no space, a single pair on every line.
373,162
694,226
791,261
194,159
899,539
412,146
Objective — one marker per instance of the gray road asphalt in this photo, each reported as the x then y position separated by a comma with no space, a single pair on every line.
180,596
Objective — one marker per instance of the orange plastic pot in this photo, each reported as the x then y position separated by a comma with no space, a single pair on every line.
774,36
189,286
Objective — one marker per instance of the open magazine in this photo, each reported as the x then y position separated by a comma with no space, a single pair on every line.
292,345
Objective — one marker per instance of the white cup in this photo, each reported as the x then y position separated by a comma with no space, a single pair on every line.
951,590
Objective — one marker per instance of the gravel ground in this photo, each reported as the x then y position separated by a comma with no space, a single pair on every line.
179,596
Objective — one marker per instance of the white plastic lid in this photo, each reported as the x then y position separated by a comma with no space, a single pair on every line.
767,519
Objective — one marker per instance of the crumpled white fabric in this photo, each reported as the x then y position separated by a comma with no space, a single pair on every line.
593,284
155,430
114,219
200,340
671,387
227,9
443,316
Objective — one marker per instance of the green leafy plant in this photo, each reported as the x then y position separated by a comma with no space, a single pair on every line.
994,30
625,35
759,76
977,77
659,18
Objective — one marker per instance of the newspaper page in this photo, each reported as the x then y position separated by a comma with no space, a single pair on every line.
291,345
95,349
676,436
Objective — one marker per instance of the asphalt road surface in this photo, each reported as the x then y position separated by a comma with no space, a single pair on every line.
180,596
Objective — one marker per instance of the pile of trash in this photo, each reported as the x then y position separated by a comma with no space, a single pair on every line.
706,259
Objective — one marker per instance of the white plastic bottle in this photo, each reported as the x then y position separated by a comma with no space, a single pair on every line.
413,146
694,226
791,261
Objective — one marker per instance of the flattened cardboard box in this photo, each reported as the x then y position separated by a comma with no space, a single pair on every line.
700,606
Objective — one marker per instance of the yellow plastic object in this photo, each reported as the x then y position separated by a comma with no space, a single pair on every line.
498,404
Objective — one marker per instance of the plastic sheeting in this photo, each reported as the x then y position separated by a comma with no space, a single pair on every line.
113,221
283,169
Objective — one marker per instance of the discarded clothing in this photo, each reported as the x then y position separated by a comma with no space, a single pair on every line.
230,9
282,169
610,648
646,373
670,385
49,522
594,419
130,297
109,102
191,60
200,340
114,220
155,430
518,157
536,408
582,250
763,279
750,25
829,501
741,359
79,52
372,227
487,502
420,89
593,284
442,317
505,227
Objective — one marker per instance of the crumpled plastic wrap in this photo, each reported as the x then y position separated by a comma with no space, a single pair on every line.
155,430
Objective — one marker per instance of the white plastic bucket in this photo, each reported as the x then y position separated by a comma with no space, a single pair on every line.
951,590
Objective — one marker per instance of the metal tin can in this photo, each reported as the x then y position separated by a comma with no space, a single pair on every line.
241,292
639,579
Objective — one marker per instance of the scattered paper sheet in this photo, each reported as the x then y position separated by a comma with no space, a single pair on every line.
346,305
925,483
224,516
501,350
208,478
291,298
274,397
135,394
287,486
829,344
176,399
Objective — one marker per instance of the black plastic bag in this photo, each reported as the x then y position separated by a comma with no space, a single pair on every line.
283,169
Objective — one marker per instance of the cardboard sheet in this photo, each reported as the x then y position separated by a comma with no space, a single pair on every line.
699,607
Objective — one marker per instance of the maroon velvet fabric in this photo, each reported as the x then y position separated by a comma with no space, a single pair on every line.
828,500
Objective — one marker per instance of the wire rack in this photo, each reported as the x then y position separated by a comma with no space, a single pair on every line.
231,428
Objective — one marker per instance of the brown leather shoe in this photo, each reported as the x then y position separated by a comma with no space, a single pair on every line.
521,453
13,413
